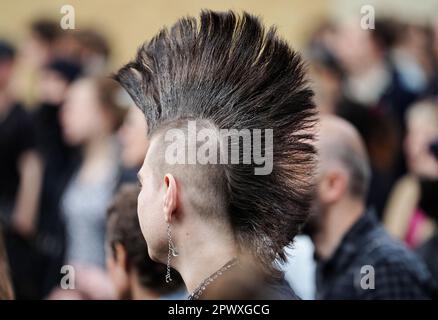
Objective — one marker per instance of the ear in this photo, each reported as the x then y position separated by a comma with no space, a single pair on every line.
170,197
333,186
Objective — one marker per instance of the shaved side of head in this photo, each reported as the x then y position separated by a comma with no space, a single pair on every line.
203,186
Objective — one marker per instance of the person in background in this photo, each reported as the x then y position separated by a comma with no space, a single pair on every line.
370,76
134,142
354,79
403,217
347,236
433,50
429,204
6,291
95,52
86,47
134,274
326,72
91,115
20,179
411,55
40,47
373,80
38,50
59,161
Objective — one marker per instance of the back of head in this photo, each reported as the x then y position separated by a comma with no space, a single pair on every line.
340,144
228,72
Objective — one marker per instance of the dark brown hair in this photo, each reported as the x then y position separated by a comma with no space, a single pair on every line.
230,71
93,41
123,227
110,95
46,30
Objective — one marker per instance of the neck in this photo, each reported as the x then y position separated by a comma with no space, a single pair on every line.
98,159
336,221
202,253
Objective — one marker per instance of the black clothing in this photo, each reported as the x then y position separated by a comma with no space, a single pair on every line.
398,272
17,136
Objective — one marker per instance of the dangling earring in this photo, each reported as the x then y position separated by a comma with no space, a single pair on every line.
171,253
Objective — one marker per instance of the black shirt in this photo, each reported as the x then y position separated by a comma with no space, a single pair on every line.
17,136
60,161
369,264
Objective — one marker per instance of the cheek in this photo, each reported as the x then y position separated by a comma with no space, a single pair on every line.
141,212
152,224
323,190
319,190
88,121
146,209
74,123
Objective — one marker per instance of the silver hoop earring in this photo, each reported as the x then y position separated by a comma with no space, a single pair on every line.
171,253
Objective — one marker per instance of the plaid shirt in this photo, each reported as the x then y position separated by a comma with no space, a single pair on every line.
368,264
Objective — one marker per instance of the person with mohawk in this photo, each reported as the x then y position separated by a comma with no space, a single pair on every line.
222,226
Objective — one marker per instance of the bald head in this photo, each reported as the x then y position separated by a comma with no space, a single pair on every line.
339,144
337,131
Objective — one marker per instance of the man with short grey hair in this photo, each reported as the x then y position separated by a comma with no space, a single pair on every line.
356,258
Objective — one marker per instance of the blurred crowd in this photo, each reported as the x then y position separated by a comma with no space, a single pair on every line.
62,160
71,145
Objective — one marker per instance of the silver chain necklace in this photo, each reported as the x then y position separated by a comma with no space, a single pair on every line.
201,288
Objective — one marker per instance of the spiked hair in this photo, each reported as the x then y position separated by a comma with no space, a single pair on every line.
227,69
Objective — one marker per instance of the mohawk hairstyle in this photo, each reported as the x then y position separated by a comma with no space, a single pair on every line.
227,69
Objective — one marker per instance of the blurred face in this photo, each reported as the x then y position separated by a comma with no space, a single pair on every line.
420,134
133,138
53,87
353,45
36,51
82,116
150,206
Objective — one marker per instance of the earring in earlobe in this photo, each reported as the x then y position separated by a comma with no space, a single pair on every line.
171,253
